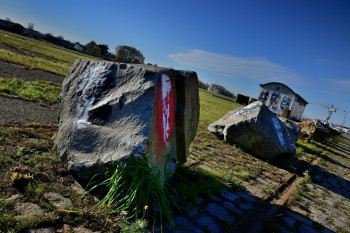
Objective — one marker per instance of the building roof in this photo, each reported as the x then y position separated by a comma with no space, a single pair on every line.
299,97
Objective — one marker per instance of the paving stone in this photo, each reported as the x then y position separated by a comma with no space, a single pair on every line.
289,221
219,212
58,200
300,218
78,188
307,229
284,230
230,206
14,197
215,198
245,205
340,223
182,224
190,211
207,223
82,229
229,195
262,181
325,230
246,196
43,230
28,210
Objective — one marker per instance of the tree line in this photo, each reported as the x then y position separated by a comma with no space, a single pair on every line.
123,53
215,88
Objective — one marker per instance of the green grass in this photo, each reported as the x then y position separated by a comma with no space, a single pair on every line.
35,62
39,55
133,188
301,191
214,106
205,186
38,91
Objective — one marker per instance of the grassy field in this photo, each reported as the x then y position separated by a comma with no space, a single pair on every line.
37,91
38,55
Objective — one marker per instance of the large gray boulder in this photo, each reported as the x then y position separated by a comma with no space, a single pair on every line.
114,113
256,129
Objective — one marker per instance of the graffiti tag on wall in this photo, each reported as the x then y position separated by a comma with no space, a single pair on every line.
275,98
276,101
165,109
263,96
285,103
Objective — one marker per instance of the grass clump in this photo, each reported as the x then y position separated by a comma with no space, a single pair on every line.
302,190
244,175
134,188
38,91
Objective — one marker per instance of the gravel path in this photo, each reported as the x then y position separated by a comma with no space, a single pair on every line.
17,110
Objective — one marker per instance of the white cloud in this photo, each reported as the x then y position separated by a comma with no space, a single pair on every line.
255,68
339,87
340,83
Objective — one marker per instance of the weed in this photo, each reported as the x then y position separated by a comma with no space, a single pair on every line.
307,178
244,175
24,151
132,187
339,205
269,190
235,185
301,191
342,230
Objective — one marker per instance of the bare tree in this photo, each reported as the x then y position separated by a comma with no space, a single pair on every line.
31,26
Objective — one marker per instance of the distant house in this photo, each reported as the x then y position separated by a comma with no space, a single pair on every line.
78,47
278,96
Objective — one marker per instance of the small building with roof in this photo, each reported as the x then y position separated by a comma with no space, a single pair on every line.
278,97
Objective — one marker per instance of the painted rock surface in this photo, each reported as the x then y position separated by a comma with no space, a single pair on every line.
258,130
113,112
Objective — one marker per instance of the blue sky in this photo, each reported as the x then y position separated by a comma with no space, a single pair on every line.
238,44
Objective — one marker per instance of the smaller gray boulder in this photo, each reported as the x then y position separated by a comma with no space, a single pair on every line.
258,130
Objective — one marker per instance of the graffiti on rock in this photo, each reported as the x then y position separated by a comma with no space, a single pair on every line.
165,110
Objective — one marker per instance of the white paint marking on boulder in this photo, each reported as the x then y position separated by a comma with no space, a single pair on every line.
278,131
246,110
93,76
